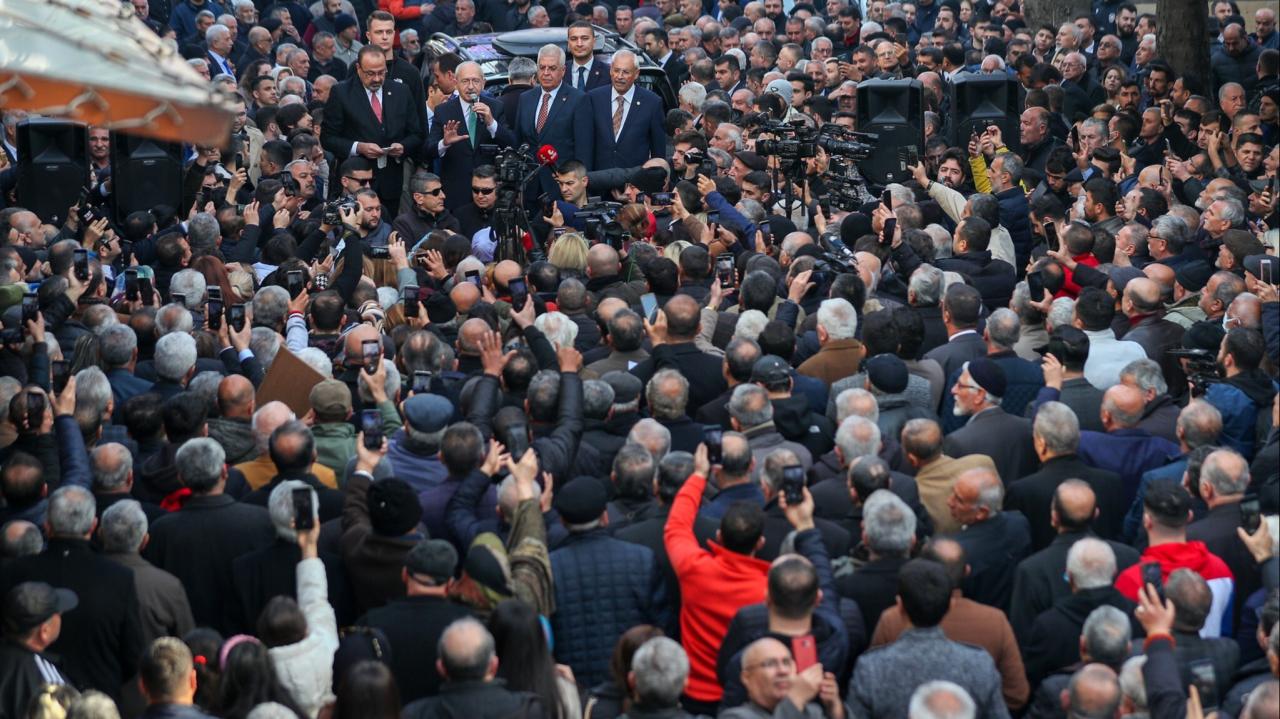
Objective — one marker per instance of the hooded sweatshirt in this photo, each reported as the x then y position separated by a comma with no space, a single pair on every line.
1195,556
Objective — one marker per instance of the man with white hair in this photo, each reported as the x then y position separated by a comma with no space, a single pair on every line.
840,352
259,471
941,700
627,121
459,127
220,40
552,113
1055,637
162,600
175,363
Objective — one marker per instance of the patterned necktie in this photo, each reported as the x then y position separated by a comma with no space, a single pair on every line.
582,78
471,125
542,111
376,104
617,116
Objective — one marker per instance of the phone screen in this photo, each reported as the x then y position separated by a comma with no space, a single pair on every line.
649,303
1204,678
421,382
1051,235
410,300
712,435
371,425
660,199
304,514
473,276
30,308
371,350
1035,286
886,199
235,317
213,314
1250,514
295,281
131,285
519,293
82,265
793,484
215,293
890,227
1152,575
146,291
61,374
724,270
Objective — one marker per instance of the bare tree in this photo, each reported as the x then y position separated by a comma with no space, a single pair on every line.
1053,12
1183,36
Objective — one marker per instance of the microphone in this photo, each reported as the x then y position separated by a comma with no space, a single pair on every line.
547,155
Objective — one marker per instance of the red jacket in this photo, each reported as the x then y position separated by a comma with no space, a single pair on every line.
1195,556
1069,286
714,585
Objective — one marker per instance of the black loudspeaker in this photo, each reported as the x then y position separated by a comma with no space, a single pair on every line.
981,100
894,110
145,173
53,166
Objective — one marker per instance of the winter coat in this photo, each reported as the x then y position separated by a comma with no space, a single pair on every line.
1173,556
305,668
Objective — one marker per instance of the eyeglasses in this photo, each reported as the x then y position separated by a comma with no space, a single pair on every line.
359,180
774,663
483,190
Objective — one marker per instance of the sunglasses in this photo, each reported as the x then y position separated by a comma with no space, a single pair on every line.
483,190
359,180
434,193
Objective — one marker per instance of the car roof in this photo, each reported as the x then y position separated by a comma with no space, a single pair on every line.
494,50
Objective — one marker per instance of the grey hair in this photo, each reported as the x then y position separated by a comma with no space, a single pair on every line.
1061,312
98,317
774,463
888,523
926,283
1200,422
316,359
858,437
175,356
1217,474
124,525
393,381
270,710
627,53
552,50
509,499
750,324
1146,373
116,344
559,329
1059,427
663,405
29,540
264,342
92,704
71,512
1263,699
216,31
522,68
1232,212
280,506
93,392
597,398
1091,563
537,10
848,402
173,318
1132,684
200,463
205,386
838,319
661,668
203,233
1106,634
652,435
693,95
750,405
1173,230
1003,327
270,303
111,464
940,699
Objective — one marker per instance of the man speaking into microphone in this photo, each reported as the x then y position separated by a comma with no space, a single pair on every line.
459,127
553,114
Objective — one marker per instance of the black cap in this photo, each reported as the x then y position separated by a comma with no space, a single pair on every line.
626,386
432,558
582,500
30,604
1194,275
770,369
1203,335
888,373
393,507
987,375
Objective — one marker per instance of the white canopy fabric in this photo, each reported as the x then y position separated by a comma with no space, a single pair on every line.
95,62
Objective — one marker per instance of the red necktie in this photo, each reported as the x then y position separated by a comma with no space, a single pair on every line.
376,104
542,113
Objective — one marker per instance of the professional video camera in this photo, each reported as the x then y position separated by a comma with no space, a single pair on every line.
1202,368
601,221
795,142
514,167
698,159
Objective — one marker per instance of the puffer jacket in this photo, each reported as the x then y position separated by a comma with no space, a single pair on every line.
1015,217
1240,400
305,668
604,586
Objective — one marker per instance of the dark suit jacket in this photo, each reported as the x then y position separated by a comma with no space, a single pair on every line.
349,118
874,586
413,626
1004,438
1217,530
330,499
461,158
676,69
567,128
1055,635
1157,336
198,545
642,136
1032,495
101,638
648,533
597,75
271,571
835,538
993,549
510,99
1038,582
955,352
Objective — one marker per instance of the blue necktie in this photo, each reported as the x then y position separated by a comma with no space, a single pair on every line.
582,78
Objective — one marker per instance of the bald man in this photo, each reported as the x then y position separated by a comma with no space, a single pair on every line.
935,471
673,335
468,344
1143,304
464,297
604,272
1038,582
993,540
232,426
1124,448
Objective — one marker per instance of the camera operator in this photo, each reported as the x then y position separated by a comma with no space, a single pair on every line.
684,144
428,211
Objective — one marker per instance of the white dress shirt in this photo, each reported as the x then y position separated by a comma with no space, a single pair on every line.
369,97
626,107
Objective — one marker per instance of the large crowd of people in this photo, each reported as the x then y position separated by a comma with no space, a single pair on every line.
360,430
